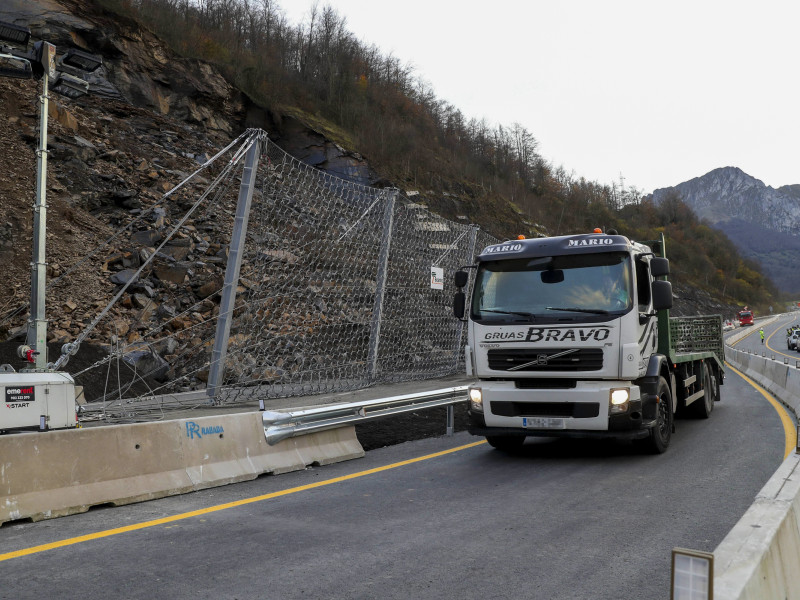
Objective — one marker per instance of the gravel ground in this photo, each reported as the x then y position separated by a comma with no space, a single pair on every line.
412,426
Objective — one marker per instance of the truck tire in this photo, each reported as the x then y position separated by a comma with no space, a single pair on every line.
661,434
506,443
702,407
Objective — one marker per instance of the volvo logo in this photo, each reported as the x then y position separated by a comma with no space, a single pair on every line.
541,359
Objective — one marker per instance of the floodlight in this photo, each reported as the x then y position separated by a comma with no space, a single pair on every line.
16,34
15,66
81,60
44,59
70,86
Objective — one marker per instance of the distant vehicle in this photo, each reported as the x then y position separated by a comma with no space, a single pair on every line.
745,317
728,326
792,340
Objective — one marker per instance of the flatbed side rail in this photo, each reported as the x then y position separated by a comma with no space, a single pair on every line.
692,335
281,425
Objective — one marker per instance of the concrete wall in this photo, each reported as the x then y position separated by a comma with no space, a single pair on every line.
58,473
760,558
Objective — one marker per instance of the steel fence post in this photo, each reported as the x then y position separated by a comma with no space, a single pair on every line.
451,420
380,286
235,255
37,324
473,240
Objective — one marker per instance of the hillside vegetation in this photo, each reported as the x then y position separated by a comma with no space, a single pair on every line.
376,105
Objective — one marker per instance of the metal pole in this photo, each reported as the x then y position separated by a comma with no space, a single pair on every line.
37,323
451,420
473,239
235,255
380,286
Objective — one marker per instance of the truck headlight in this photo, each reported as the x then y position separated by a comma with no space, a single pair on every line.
475,399
618,400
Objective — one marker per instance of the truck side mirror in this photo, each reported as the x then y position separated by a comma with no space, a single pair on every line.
659,267
459,304
662,295
461,278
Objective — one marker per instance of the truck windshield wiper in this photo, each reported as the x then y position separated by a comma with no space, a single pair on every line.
509,312
594,311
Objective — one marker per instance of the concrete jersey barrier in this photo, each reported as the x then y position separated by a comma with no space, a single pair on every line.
66,472
760,558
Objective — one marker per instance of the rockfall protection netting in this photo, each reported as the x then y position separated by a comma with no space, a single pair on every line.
341,286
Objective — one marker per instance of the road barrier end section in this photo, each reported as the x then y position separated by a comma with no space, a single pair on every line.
57,473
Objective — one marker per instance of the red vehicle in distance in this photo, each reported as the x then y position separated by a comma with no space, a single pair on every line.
745,317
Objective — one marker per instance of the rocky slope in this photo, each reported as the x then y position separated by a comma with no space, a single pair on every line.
151,118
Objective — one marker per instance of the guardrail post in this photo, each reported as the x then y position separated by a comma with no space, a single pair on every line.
451,421
380,286
235,255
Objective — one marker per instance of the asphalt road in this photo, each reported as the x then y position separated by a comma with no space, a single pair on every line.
564,519
774,339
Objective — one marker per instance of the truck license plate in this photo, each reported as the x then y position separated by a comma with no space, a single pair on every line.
542,423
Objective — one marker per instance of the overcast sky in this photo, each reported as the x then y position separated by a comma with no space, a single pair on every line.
658,93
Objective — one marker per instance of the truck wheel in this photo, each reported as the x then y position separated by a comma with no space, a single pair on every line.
702,408
661,434
506,443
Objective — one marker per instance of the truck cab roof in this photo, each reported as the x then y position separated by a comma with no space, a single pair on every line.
560,246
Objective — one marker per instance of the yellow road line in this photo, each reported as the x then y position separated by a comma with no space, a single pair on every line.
751,332
789,430
790,436
766,342
778,322
753,329
204,511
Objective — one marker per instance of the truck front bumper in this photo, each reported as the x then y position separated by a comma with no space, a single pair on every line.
582,411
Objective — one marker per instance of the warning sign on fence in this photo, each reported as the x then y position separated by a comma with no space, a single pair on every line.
437,278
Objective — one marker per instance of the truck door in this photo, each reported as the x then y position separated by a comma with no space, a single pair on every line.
647,329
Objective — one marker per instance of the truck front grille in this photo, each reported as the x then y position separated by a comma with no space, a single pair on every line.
545,383
526,359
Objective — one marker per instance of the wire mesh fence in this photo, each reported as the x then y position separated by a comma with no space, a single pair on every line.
341,286
346,286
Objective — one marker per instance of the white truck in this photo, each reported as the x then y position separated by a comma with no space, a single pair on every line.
571,336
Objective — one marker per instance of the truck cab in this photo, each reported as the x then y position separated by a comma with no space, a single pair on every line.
570,336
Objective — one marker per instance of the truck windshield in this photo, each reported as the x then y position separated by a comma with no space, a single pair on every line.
555,287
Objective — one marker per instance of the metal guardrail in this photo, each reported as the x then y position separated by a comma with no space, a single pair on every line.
282,425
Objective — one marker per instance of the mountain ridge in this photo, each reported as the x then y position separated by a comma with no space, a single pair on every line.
763,222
